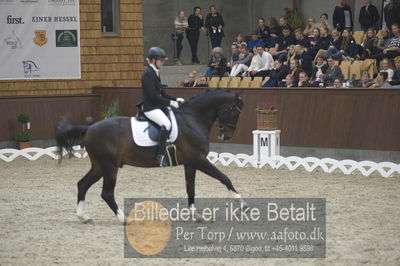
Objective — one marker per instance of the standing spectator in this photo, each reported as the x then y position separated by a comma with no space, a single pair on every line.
295,71
234,55
217,65
308,31
303,80
203,83
239,40
386,66
191,81
261,64
284,41
342,16
255,41
196,24
392,14
332,72
392,48
369,44
323,22
369,16
396,76
300,40
181,25
214,24
348,48
277,74
318,71
243,63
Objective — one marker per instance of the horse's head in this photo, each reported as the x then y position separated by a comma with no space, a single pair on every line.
228,116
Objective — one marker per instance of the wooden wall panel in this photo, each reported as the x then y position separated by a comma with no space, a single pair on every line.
100,55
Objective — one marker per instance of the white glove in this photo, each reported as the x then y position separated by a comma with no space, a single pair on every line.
180,100
174,104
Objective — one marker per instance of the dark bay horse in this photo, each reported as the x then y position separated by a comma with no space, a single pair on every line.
109,144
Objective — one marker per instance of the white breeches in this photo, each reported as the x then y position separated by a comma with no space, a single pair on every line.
158,117
236,69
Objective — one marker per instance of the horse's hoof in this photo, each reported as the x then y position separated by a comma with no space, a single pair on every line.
88,221
85,219
199,218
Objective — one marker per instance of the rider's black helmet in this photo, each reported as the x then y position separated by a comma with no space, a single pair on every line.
156,53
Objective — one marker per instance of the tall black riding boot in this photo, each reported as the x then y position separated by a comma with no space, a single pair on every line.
160,155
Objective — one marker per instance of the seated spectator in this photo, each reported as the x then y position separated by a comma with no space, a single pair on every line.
316,35
332,72
365,81
308,31
348,48
305,59
234,55
283,23
396,76
300,40
291,55
295,71
180,84
384,40
264,33
288,81
369,44
284,41
274,28
337,83
261,63
386,66
191,81
336,42
381,81
255,41
323,22
303,80
243,63
322,42
239,41
392,48
318,71
203,82
277,74
217,65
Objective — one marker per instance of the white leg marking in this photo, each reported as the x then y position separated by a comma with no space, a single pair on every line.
121,216
80,211
236,195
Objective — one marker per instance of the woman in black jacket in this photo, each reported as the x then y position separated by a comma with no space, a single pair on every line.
155,99
214,24
369,16
342,16
392,14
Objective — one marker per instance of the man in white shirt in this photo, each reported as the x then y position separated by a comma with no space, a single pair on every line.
261,63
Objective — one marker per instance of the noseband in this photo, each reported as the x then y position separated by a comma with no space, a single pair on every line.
229,110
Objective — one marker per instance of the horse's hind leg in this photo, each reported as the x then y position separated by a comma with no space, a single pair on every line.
109,181
84,184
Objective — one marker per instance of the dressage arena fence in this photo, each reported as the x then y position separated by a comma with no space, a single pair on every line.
310,164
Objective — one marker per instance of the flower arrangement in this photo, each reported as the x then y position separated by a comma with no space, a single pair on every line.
23,137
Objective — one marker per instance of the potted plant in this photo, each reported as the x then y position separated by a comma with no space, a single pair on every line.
23,137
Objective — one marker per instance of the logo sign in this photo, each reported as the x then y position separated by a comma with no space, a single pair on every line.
13,41
66,38
30,69
29,2
61,2
4,2
40,37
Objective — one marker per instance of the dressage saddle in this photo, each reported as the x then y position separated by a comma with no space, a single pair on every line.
153,129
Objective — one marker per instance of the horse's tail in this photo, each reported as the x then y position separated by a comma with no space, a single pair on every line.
68,136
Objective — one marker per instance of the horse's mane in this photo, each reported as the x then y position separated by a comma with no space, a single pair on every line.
209,92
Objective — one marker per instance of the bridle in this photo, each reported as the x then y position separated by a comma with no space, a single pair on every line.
233,109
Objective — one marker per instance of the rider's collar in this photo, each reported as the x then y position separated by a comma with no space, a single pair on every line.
155,69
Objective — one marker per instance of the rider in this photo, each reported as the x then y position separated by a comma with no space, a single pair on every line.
155,99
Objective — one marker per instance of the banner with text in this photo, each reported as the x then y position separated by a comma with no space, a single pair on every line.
39,39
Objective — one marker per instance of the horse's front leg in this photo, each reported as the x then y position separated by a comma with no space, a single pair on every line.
209,169
190,176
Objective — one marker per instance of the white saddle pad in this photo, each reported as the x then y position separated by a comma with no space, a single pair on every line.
141,136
